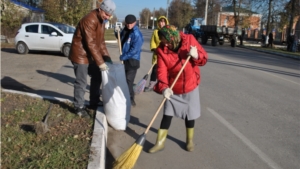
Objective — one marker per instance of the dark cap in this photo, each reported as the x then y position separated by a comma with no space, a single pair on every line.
129,19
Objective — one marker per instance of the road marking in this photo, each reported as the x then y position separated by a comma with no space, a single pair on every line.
266,57
281,77
246,141
229,60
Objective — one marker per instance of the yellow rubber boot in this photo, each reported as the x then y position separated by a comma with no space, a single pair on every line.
189,139
160,141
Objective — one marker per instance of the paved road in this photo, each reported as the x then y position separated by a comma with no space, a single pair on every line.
250,115
250,108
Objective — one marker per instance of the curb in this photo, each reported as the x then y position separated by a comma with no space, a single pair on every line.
270,52
97,155
111,41
98,146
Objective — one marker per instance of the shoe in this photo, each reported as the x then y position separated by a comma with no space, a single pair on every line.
81,112
147,89
160,141
133,103
189,139
95,106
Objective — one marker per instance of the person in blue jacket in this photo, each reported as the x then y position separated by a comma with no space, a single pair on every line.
131,42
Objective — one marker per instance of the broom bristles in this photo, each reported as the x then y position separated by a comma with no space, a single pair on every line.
128,159
139,88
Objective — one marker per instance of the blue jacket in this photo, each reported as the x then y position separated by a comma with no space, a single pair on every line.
132,47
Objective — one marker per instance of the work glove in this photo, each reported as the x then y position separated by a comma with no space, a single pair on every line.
103,67
108,60
117,29
120,58
193,52
167,93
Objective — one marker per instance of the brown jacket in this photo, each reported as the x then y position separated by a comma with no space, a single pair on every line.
88,41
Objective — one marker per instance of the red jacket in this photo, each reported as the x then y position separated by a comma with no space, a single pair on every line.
169,64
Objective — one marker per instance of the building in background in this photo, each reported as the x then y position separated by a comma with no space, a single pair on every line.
247,18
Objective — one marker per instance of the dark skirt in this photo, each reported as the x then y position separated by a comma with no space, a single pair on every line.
184,105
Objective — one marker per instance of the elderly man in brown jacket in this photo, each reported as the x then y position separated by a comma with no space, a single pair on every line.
88,55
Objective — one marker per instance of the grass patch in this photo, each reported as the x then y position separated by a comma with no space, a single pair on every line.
279,50
109,34
7,45
65,145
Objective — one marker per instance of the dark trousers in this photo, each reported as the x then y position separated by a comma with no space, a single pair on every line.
270,43
130,76
96,80
153,76
81,71
241,41
166,122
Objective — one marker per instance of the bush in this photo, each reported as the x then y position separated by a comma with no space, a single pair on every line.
11,18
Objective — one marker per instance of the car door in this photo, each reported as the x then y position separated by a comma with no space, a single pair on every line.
48,41
31,36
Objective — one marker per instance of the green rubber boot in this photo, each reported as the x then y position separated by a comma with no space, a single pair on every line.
189,139
160,141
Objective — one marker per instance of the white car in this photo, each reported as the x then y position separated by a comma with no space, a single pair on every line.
44,37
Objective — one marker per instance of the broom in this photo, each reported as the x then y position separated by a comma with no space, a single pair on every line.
128,159
140,86
119,42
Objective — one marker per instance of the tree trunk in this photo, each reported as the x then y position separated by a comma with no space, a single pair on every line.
269,17
290,30
234,12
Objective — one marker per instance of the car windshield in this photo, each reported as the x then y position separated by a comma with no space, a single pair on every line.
65,28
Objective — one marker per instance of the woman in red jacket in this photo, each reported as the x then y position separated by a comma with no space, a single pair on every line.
183,99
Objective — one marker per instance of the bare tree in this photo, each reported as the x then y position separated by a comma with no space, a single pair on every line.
160,12
145,17
213,7
293,8
180,13
271,11
241,11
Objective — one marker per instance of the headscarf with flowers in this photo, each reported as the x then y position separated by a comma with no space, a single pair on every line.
171,34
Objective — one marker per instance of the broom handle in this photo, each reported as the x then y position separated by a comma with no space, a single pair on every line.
150,69
163,101
119,42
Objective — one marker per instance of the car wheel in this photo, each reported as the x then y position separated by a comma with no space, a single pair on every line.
233,42
66,50
214,40
204,39
22,48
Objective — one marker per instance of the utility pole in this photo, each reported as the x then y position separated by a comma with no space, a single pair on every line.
167,9
153,18
205,15
147,19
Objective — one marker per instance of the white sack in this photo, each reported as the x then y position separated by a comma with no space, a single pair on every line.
115,96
